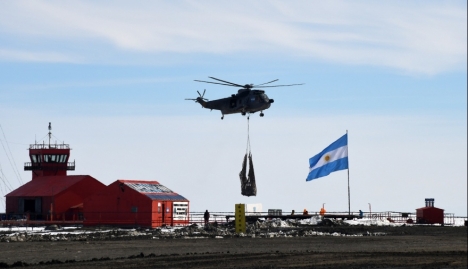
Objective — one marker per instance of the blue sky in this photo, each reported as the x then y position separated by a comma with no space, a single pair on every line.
112,79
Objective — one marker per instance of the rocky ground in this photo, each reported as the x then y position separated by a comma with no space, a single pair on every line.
273,244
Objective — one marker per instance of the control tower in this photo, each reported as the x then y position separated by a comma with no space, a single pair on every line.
49,159
51,195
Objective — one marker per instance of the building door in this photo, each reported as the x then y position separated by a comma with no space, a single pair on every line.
163,213
29,206
166,213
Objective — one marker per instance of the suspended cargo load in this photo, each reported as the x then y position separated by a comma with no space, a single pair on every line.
248,186
243,173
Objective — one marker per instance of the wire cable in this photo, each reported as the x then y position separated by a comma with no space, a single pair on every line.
11,160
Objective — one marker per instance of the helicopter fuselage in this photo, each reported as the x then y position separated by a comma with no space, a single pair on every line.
245,101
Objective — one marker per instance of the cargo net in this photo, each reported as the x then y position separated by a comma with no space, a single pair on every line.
248,186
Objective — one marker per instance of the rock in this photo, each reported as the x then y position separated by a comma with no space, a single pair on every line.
52,227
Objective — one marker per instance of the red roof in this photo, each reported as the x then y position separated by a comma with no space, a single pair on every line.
429,207
138,181
153,189
46,186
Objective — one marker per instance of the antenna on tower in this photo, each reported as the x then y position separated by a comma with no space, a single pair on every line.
50,134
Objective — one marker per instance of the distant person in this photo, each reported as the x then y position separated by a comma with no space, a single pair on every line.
322,211
361,214
305,212
206,216
292,212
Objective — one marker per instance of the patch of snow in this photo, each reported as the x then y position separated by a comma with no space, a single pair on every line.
372,222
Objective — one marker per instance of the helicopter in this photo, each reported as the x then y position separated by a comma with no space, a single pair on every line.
249,98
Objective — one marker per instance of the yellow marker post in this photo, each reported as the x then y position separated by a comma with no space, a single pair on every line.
240,218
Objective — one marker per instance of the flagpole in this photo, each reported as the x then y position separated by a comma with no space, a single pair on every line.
349,199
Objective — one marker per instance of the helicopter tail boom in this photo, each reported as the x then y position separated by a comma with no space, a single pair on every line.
200,99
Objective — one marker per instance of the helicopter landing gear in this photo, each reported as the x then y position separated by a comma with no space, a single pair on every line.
261,114
222,117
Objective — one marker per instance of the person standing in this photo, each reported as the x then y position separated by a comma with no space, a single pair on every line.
206,216
322,211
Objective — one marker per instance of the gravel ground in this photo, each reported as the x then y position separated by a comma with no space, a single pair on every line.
263,246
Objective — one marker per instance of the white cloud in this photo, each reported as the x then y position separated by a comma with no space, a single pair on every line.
31,56
425,38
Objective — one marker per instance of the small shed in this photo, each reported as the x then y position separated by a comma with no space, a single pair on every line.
136,203
430,214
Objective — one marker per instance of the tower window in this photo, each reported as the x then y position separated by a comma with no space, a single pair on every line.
36,158
51,158
63,158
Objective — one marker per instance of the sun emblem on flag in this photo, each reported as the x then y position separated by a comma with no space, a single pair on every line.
327,158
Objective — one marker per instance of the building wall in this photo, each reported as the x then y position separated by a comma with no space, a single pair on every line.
121,205
117,205
163,214
75,195
430,215
55,206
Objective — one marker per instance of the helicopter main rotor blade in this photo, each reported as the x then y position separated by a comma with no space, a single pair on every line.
217,83
265,83
278,86
234,84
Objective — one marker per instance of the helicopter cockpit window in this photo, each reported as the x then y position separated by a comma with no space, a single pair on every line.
264,97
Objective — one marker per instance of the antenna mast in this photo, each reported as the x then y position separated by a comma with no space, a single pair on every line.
50,134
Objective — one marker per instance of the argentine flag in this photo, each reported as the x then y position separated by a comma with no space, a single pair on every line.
331,159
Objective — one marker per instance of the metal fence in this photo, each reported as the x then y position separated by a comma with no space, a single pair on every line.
218,217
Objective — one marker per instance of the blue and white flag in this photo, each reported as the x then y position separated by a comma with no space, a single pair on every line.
331,159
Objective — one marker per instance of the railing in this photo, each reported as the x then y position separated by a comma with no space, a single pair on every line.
144,219
403,217
28,166
49,146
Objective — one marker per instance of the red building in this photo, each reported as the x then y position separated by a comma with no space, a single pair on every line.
136,203
51,194
429,214
52,197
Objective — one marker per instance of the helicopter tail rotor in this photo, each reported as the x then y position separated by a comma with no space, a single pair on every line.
199,98
201,95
